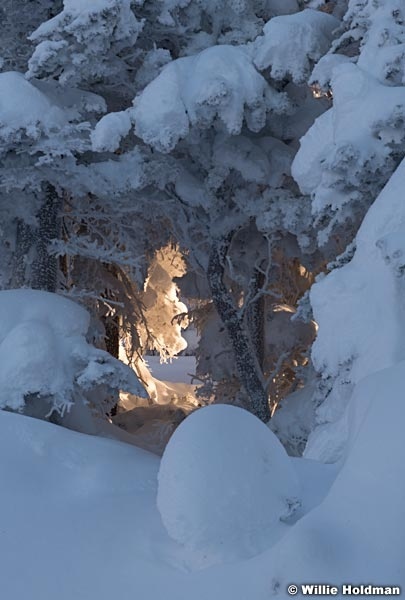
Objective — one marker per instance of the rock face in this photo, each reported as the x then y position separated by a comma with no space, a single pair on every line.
225,482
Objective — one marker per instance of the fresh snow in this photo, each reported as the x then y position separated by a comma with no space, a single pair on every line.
366,335
291,44
206,157
219,82
80,521
80,517
44,354
23,106
349,148
225,482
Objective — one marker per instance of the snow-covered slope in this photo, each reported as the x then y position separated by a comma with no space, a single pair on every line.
78,516
78,519
360,312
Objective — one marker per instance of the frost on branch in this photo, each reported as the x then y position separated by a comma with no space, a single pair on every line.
82,43
219,83
292,44
45,358
374,33
109,132
210,22
38,117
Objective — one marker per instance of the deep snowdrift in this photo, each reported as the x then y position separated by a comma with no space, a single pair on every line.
79,517
360,312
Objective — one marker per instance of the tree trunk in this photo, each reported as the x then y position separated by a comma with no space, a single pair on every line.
247,364
33,265
44,268
255,317
25,243
112,332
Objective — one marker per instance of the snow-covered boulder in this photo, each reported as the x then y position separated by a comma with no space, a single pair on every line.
45,359
224,482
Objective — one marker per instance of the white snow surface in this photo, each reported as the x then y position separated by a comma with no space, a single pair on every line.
23,106
225,481
219,82
43,350
291,44
360,312
370,333
352,141
79,517
115,127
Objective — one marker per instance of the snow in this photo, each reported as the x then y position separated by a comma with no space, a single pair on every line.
179,370
78,43
356,533
294,419
370,334
23,106
82,522
351,142
225,481
218,517
291,44
218,82
80,517
383,46
43,351
341,301
110,130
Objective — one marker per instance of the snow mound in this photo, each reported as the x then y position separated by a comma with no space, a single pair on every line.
45,358
224,482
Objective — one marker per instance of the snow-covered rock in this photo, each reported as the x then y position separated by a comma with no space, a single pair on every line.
224,482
